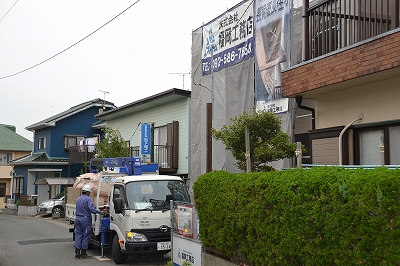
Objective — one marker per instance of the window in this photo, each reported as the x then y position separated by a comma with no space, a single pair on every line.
369,139
18,185
166,139
5,158
41,143
2,189
394,144
72,141
369,147
160,146
119,192
155,195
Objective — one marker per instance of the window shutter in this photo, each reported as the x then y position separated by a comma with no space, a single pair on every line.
172,143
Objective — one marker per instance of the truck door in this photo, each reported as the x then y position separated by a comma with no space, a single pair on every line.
118,218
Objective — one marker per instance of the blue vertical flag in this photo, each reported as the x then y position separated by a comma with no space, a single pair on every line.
146,139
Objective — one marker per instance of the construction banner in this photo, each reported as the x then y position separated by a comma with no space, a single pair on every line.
272,34
229,39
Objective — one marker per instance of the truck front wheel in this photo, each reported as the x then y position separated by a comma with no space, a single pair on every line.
118,256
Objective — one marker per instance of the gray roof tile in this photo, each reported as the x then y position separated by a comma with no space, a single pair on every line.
50,121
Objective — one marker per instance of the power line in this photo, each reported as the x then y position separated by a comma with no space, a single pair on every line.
8,10
38,64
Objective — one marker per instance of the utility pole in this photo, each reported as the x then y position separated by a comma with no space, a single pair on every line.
183,77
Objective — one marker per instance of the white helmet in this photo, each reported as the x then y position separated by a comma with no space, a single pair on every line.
86,188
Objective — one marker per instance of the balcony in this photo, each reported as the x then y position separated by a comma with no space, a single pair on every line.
345,44
81,154
331,25
166,156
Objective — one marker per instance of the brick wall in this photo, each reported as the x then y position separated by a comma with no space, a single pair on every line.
376,55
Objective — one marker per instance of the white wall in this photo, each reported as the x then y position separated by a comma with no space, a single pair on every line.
377,101
177,110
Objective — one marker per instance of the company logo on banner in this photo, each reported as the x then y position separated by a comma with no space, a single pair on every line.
228,39
146,143
186,251
272,23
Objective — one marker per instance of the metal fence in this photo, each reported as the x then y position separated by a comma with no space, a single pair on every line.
334,24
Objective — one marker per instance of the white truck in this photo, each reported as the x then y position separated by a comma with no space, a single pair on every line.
138,216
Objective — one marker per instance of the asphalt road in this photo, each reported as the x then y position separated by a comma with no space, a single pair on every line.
41,240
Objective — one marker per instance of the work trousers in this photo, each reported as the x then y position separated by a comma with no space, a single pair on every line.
83,231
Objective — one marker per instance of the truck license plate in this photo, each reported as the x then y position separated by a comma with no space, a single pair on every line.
163,245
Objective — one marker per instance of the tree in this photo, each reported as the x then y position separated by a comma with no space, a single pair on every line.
268,142
112,145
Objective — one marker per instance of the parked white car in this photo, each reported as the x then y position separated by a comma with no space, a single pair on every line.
54,205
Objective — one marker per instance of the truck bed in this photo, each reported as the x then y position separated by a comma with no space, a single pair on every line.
70,212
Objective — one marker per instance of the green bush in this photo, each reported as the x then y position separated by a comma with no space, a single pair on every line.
318,216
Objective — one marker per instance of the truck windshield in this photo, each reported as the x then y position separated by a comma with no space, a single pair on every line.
155,195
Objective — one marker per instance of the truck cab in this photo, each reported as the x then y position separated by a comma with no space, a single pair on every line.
140,213
137,218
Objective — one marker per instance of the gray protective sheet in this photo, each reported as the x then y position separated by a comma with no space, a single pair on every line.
233,92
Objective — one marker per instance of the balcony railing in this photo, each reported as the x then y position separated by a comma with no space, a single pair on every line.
329,25
135,151
164,155
81,154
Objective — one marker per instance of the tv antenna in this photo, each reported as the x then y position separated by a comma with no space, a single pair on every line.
183,77
104,99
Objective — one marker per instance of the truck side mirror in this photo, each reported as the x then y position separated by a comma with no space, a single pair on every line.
118,205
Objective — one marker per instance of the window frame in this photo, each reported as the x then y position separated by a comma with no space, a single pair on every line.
3,187
18,185
77,138
41,143
7,156
386,138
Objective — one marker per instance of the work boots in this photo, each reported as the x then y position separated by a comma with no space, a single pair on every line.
77,253
84,255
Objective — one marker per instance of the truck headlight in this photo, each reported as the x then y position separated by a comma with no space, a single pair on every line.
135,237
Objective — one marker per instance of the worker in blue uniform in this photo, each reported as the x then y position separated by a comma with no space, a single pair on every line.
83,222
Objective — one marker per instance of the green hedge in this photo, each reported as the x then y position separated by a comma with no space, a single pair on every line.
318,216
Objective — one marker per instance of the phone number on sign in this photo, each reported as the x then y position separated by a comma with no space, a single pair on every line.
228,58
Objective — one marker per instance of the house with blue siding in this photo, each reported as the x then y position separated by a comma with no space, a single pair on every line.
62,145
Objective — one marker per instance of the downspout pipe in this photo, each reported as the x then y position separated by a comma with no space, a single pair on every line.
299,99
360,117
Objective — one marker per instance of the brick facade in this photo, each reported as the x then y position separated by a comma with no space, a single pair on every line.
381,53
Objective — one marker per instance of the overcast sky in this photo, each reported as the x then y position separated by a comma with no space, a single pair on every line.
131,57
